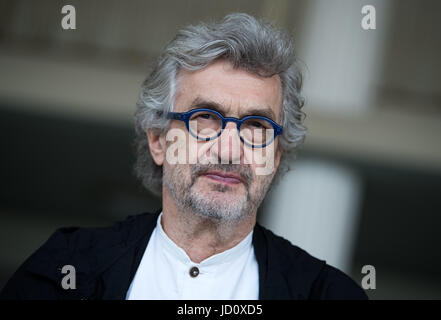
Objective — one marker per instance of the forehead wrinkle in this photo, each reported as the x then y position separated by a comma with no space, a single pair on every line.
253,110
209,103
219,103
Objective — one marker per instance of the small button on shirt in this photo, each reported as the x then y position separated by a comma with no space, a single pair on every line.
166,272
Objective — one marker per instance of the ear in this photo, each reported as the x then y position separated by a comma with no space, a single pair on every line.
157,146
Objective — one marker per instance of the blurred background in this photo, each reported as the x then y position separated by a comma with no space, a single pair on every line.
364,190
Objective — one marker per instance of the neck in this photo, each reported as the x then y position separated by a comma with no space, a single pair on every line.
201,237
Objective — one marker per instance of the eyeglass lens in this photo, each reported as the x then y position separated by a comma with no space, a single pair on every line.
207,125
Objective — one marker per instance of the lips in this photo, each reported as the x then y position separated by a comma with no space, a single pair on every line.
225,177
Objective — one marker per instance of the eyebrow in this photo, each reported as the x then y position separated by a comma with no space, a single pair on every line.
209,104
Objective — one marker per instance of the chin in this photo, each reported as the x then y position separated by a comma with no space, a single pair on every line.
226,203
219,194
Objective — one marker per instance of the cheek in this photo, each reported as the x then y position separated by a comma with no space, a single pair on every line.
179,174
260,186
261,160
254,157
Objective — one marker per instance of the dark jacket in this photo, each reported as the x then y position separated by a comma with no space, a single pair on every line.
106,259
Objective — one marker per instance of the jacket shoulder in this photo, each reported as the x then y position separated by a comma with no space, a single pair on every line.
306,276
87,249
333,284
123,231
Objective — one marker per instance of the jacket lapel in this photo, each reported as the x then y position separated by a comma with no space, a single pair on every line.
272,281
114,283
286,272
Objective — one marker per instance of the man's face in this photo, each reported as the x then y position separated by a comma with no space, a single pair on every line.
225,187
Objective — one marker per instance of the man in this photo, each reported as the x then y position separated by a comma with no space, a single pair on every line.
217,121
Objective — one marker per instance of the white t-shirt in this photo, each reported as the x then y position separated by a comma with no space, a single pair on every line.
166,272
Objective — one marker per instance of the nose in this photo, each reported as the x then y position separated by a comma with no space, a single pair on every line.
229,146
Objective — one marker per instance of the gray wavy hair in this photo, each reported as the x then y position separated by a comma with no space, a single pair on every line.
255,46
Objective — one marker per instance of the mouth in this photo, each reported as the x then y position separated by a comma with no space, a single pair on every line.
223,177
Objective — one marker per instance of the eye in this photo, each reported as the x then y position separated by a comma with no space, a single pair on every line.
203,116
206,116
256,124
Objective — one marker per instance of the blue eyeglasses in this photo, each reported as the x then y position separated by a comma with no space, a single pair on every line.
207,124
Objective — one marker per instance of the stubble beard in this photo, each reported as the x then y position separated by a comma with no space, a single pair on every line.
211,204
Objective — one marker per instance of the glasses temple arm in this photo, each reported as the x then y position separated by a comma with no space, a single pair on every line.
174,115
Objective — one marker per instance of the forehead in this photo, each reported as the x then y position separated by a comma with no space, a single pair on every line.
236,90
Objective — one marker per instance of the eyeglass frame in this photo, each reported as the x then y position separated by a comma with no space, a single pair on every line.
185,117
